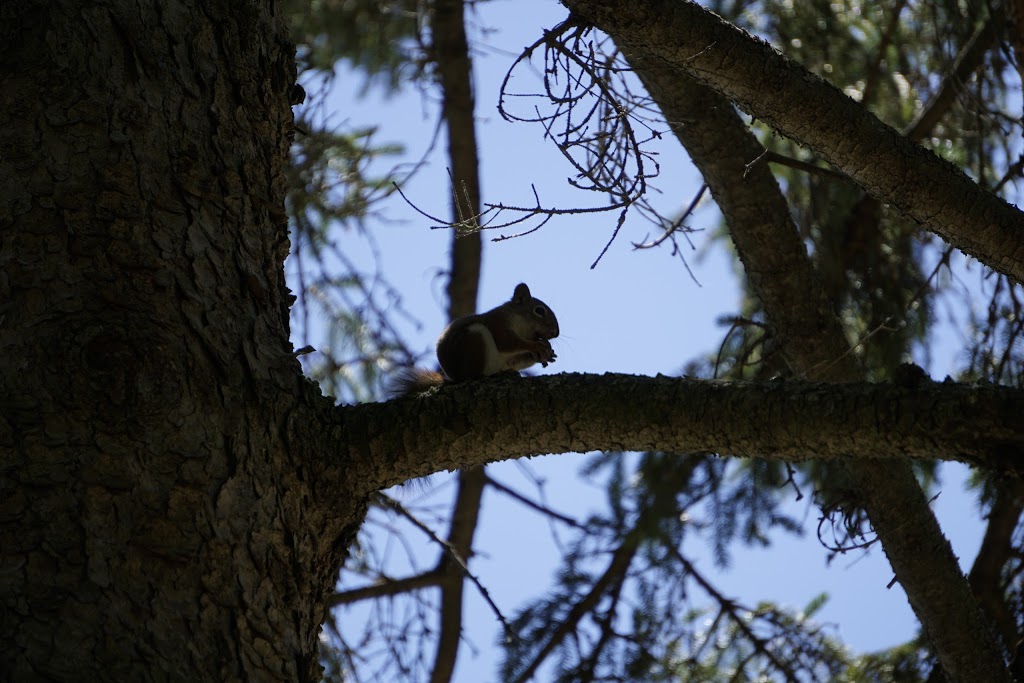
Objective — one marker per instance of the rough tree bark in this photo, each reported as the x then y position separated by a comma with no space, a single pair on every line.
156,522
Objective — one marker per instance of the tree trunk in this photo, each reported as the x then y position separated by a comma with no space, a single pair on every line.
155,508
455,76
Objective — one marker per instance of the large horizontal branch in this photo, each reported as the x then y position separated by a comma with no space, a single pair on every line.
681,36
496,419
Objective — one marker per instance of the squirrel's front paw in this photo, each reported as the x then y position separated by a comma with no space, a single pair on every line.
546,354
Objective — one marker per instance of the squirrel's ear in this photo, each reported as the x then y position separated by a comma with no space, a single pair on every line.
522,293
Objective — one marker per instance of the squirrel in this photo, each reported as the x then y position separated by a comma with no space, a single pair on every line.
511,337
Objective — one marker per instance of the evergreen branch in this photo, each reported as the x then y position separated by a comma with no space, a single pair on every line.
617,567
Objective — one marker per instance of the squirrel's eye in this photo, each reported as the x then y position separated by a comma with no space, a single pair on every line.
539,311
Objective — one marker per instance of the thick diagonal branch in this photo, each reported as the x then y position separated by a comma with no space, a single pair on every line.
679,36
812,341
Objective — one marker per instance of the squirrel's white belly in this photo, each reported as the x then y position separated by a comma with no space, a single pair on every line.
495,361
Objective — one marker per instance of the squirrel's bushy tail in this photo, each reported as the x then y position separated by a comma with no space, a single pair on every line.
409,381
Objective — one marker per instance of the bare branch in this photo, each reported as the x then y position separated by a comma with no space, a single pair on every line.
797,103
503,418
542,509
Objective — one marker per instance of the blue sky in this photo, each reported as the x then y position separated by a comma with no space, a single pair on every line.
638,312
